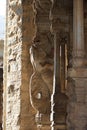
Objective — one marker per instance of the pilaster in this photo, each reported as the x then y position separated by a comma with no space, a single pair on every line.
58,98
77,74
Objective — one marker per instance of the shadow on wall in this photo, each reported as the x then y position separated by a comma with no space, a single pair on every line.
0,126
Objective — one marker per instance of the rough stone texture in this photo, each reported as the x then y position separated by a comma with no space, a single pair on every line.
14,50
18,113
20,31
27,112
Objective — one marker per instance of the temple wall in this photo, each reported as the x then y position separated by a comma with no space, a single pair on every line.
18,113
17,71
28,29
12,69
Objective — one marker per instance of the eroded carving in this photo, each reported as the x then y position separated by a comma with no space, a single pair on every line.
42,6
40,94
41,53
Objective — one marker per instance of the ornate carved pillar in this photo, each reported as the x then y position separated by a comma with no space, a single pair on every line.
58,99
41,53
77,74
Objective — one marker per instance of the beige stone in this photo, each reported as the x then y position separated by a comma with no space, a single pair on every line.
39,39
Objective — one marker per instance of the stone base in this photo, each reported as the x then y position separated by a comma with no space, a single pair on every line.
77,93
59,127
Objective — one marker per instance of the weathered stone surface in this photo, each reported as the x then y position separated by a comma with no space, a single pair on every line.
17,67
41,53
25,23
13,68
77,75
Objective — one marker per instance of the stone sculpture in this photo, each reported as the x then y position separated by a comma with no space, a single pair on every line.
41,81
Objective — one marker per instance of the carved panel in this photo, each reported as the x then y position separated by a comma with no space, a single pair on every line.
41,53
41,81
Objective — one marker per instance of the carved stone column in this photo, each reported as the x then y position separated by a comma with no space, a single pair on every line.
58,99
77,74
41,53
78,32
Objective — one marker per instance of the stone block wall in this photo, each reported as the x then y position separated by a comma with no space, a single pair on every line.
18,114
12,69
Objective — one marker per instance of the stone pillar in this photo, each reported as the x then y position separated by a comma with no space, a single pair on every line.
18,113
78,31
58,99
77,74
28,30
12,66
41,53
